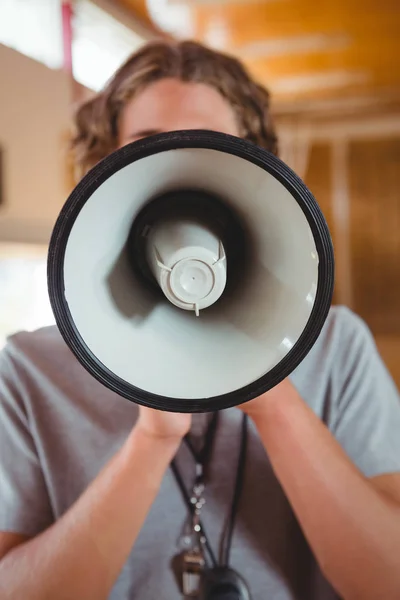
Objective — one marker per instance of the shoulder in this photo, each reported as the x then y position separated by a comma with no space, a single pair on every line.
24,340
342,339
356,395
343,324
39,372
40,361
26,348
344,357
21,374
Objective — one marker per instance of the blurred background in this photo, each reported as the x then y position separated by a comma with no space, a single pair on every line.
332,67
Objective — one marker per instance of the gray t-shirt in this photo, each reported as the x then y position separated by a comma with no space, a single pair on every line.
58,427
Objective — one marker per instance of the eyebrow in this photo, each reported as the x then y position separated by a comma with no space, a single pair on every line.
144,133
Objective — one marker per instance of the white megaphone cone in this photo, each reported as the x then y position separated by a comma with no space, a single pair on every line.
190,271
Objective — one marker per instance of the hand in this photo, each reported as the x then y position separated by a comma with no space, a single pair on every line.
163,425
257,409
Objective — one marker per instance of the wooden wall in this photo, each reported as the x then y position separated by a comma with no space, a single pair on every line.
319,180
34,122
372,257
374,169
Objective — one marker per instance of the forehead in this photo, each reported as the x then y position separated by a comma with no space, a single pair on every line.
171,104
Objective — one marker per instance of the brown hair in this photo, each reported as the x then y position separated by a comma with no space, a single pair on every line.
96,121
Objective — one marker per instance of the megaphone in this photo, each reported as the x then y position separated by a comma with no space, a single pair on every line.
190,271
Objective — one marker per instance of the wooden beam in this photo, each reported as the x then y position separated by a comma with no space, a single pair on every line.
341,222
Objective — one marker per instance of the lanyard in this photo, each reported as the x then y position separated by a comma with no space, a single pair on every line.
196,559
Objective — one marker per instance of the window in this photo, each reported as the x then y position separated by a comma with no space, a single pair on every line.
101,42
24,302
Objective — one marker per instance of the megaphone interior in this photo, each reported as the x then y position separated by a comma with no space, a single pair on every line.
190,271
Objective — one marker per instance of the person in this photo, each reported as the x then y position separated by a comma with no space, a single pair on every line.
89,506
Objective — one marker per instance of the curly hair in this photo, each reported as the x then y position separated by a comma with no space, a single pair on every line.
96,121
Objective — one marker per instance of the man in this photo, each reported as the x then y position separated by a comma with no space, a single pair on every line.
89,507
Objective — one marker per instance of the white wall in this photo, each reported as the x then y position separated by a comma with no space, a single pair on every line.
34,122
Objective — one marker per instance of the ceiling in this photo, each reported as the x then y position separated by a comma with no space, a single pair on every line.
313,55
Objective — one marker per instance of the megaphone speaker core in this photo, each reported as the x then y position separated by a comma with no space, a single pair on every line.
187,241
